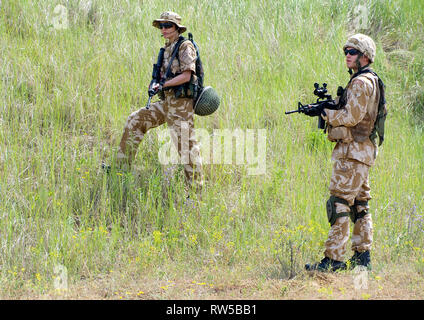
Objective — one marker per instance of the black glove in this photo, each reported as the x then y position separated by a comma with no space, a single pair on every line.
151,92
332,105
314,110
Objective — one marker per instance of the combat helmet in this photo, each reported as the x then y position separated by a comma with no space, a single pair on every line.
363,43
207,102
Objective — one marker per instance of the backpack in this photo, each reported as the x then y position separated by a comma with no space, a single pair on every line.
199,67
381,115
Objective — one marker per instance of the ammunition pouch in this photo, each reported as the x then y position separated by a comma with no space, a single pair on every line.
354,214
341,133
332,214
189,90
361,132
161,95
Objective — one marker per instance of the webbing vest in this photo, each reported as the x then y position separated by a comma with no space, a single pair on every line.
192,88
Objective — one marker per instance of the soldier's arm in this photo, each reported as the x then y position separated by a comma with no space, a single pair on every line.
180,79
187,57
355,108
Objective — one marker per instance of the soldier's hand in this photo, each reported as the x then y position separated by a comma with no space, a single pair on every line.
332,105
313,111
154,89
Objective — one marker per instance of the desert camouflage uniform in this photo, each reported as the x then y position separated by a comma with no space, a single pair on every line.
176,112
353,156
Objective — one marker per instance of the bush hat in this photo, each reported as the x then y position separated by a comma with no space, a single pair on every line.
170,16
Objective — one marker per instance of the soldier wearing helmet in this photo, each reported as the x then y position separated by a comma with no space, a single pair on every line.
175,107
366,47
355,152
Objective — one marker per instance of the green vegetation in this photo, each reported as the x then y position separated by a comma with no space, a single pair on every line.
65,95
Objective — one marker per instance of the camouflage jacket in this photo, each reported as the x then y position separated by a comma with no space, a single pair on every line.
351,125
186,59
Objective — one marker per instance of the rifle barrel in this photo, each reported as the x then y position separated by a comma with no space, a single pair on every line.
293,111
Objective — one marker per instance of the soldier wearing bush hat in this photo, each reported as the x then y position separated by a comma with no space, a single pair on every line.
171,17
353,129
175,106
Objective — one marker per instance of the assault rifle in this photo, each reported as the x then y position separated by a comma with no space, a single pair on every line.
315,109
156,78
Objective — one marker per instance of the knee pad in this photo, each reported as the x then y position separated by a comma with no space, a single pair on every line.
354,214
332,214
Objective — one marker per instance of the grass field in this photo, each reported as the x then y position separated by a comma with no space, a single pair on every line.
67,86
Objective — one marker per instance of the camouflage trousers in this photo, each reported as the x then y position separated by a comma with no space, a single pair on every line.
349,181
178,114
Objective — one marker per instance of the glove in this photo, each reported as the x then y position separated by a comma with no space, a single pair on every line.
154,88
332,105
313,110
316,109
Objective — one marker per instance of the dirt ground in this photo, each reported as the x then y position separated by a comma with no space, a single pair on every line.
352,285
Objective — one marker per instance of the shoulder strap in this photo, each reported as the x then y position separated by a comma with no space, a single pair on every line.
199,66
174,53
190,37
357,74
344,91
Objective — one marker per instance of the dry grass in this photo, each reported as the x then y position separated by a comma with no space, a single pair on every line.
395,283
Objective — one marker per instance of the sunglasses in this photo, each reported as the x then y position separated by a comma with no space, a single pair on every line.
352,52
165,25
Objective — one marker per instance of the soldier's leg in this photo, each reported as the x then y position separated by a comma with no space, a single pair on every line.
346,182
338,236
362,236
180,119
137,124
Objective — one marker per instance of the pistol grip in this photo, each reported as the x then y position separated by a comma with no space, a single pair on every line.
321,122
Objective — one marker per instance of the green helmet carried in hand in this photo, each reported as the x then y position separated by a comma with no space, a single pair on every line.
207,102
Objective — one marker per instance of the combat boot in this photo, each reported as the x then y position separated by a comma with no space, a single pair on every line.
326,265
360,259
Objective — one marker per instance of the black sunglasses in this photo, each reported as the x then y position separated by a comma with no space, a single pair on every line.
352,52
165,25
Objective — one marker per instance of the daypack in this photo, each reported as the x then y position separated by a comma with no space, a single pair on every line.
381,115
199,67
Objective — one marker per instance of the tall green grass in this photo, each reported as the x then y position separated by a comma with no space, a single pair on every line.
65,95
